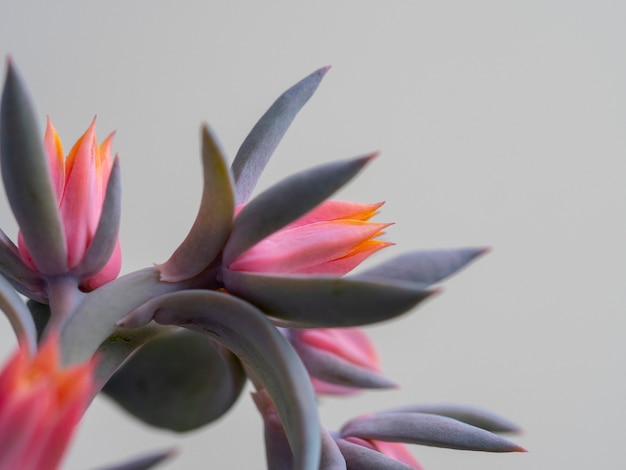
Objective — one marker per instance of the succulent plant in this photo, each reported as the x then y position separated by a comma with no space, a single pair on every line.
259,289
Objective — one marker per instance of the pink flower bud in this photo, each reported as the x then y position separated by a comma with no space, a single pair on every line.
40,404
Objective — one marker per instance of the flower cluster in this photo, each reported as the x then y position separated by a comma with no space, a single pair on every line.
259,290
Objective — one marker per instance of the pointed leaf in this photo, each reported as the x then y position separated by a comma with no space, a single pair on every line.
107,233
360,457
263,350
265,136
180,381
213,222
473,415
428,430
423,267
144,462
27,178
333,369
96,317
18,314
286,201
323,301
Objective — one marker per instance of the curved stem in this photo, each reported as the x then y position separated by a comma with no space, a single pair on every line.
64,296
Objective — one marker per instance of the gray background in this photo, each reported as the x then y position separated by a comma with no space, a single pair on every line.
501,123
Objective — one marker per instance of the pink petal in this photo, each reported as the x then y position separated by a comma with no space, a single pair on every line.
56,158
351,344
108,273
335,210
305,246
78,206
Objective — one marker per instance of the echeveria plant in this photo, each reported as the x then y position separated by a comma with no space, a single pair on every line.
259,290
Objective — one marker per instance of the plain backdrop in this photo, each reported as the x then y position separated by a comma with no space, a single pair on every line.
501,124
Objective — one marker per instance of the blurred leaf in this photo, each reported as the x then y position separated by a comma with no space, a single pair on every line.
428,430
213,222
144,462
323,301
18,314
265,136
423,267
24,279
40,314
286,201
179,381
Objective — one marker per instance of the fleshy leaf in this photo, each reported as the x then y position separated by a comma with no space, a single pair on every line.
213,222
473,415
428,430
144,462
96,317
27,178
332,458
263,350
277,451
333,369
106,236
18,314
267,133
286,201
423,267
323,301
118,347
178,381
360,457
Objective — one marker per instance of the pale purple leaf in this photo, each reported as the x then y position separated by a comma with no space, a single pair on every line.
265,136
263,350
361,458
18,314
27,178
107,233
323,301
287,201
144,462
428,430
213,222
473,415
423,267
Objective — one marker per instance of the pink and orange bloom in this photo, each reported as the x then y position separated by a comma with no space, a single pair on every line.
41,403
80,182
351,345
333,238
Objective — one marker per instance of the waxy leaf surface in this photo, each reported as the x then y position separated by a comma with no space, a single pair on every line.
324,301
265,136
